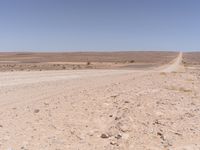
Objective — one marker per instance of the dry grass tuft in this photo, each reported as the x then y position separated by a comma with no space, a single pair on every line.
88,63
184,90
180,89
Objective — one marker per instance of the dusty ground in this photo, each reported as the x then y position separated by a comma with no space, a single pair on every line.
83,60
192,58
101,109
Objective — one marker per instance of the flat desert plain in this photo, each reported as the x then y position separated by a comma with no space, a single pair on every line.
82,60
132,101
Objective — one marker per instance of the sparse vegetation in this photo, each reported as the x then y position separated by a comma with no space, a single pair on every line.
88,63
180,89
184,62
63,67
131,61
184,90
55,61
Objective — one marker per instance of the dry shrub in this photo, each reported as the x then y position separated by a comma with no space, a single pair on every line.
131,61
88,63
184,62
180,89
184,90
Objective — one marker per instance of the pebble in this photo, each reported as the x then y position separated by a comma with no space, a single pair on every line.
104,135
118,136
36,111
113,143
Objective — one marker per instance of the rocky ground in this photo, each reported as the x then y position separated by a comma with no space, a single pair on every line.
100,109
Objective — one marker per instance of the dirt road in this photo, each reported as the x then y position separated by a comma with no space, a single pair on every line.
100,109
175,65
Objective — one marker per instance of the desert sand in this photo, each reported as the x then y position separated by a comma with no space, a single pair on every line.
105,109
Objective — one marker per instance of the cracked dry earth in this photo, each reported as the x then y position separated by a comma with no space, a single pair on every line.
100,109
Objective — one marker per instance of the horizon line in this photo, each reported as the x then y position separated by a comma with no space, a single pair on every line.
79,51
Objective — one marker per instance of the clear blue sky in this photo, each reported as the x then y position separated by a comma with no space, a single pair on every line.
59,25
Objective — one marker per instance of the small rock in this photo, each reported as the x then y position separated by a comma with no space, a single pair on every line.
113,143
117,118
114,96
161,135
104,135
36,111
110,115
118,136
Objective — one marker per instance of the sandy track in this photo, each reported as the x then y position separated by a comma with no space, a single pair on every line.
99,109
175,65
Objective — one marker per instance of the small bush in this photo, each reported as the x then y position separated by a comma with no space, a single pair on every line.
131,61
88,63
